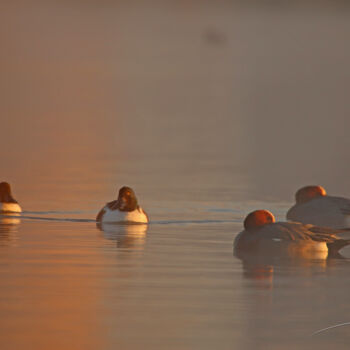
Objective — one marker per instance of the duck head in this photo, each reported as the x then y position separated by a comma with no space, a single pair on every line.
308,193
127,200
5,193
258,218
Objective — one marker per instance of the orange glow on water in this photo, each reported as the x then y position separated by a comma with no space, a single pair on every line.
52,299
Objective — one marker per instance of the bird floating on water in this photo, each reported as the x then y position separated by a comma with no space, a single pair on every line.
314,206
263,235
7,203
123,210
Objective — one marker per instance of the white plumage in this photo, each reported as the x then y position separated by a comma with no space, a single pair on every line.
10,208
136,216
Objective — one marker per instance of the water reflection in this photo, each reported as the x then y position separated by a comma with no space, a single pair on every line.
8,227
263,269
48,288
125,236
288,298
260,273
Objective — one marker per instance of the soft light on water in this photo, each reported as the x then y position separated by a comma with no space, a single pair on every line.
208,112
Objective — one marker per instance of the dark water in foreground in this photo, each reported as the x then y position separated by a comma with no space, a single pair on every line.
208,110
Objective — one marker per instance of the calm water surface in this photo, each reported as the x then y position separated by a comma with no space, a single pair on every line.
208,112
173,284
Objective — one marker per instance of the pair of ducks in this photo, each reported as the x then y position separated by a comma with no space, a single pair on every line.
124,209
315,221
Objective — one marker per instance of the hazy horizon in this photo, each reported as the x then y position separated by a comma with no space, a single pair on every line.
208,110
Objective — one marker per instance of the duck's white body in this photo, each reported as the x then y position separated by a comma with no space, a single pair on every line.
10,208
325,211
135,216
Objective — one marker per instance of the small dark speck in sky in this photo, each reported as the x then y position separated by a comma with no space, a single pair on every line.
213,36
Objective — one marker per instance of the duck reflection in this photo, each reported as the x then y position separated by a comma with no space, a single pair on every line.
263,269
280,290
130,236
8,227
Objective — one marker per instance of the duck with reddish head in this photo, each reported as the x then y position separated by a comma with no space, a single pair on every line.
263,235
314,206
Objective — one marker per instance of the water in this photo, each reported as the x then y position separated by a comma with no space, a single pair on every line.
208,112
171,284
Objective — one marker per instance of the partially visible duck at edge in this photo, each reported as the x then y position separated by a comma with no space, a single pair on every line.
263,235
123,210
314,206
7,203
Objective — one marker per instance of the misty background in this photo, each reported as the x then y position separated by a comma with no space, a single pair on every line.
175,93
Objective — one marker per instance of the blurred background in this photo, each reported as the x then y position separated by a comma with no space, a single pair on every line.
208,109
246,98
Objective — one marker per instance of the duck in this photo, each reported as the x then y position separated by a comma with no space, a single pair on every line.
263,235
7,203
314,206
123,210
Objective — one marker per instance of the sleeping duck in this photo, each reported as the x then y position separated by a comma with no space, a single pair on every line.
314,206
7,203
263,235
123,210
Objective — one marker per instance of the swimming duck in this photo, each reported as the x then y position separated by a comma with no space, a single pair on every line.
314,206
123,210
7,203
262,234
